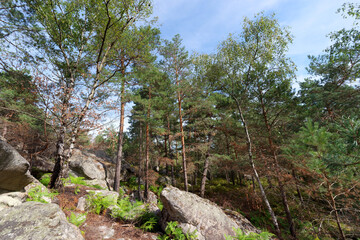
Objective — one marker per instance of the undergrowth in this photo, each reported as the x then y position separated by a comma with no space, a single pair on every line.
173,232
40,194
98,203
77,219
240,235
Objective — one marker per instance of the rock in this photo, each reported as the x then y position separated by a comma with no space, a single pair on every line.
195,213
12,199
89,166
86,166
100,183
14,169
36,221
106,232
81,204
40,165
105,193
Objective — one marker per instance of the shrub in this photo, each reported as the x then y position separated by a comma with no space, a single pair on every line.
40,194
45,179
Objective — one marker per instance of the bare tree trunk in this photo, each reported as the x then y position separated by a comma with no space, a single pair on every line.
146,194
182,133
173,182
183,153
256,175
140,174
121,139
204,175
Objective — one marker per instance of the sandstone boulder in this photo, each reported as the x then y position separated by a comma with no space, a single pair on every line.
14,169
36,221
88,165
195,213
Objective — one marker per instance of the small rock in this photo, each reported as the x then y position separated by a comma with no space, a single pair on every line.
106,232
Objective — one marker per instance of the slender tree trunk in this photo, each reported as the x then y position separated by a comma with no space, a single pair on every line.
204,175
147,150
140,174
183,154
173,182
256,175
277,172
121,139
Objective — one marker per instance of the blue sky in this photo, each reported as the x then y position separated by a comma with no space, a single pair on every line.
203,24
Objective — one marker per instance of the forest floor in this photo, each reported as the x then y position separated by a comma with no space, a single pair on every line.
101,226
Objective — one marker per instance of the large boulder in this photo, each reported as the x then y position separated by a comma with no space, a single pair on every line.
195,213
88,165
36,221
14,169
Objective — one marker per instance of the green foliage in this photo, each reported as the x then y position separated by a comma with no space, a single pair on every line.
99,203
240,235
149,222
156,190
127,210
45,179
173,232
77,219
40,194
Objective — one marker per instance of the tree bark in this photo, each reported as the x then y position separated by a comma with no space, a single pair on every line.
140,174
256,175
147,151
121,139
183,154
204,175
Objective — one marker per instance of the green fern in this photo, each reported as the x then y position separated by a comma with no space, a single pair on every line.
40,194
77,219
98,203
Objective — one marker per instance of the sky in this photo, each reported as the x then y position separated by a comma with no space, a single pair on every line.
203,24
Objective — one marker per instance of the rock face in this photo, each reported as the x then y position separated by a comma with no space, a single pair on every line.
34,220
195,213
14,169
